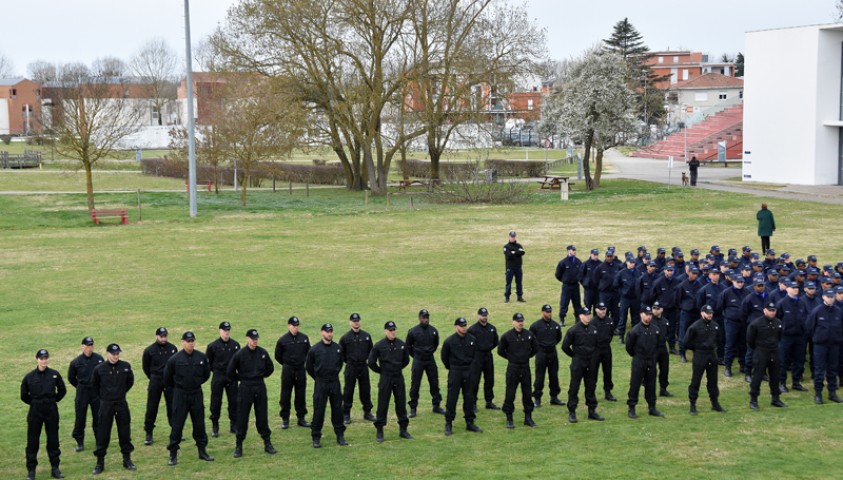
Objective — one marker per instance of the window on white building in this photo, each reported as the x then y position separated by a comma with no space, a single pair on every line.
722,96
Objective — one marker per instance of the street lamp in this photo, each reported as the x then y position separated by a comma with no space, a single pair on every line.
191,121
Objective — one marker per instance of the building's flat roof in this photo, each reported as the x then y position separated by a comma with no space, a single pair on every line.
820,26
8,82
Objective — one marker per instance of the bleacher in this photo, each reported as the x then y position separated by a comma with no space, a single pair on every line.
702,139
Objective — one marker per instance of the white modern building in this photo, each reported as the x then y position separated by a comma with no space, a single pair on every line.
793,105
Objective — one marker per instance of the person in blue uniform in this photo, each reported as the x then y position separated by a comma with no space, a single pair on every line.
824,329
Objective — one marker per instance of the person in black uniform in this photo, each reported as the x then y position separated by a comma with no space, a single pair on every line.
79,375
356,346
729,304
111,381
422,342
388,358
792,313
517,346
291,352
250,366
702,338
763,336
589,288
823,327
513,251
568,273
642,344
154,359
664,290
484,365
603,278
603,353
219,353
458,353
185,373
624,283
580,344
42,389
686,298
548,334
323,364
663,357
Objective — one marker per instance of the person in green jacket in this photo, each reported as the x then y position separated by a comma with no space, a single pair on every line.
766,226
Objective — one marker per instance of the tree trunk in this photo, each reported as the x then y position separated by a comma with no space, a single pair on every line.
598,167
244,182
586,168
89,183
369,166
435,156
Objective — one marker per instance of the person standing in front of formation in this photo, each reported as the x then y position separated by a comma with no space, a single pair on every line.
568,273
323,364
513,251
702,338
111,381
42,389
250,366
603,353
642,344
185,373
766,226
458,353
220,352
763,336
291,352
484,364
663,358
422,342
79,375
154,359
580,344
388,358
517,346
356,345
548,334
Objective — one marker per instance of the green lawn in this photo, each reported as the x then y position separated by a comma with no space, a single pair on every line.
74,181
327,255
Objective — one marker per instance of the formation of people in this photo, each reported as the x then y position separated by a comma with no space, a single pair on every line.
768,314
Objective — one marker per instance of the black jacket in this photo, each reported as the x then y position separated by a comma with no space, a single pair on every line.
824,325
356,346
486,336
220,354
422,342
513,251
518,347
250,367
792,313
459,352
764,334
664,290
580,341
324,362
568,270
155,358
111,381
729,303
642,342
548,333
187,372
389,357
80,370
703,336
291,351
39,388
605,330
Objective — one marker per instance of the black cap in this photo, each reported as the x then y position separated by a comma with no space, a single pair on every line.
512,233
547,308
738,279
355,317
595,251
188,337
584,311
838,289
42,354
570,247
390,325
770,251
695,252
657,304
707,309
693,269
785,255
669,267
679,254
770,306
461,322
746,248
812,258
799,261
810,285
253,334
161,332
646,309
630,257
88,341
772,271
113,348
327,327
661,250
828,292
600,306
647,256
225,326
715,248
733,252
758,281
518,317
294,320
482,311
424,313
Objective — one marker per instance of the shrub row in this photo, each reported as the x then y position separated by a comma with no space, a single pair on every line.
505,168
332,174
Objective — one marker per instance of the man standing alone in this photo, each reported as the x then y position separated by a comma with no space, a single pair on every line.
513,251
766,226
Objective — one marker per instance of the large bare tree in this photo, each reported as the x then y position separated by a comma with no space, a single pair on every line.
109,67
89,116
156,64
7,68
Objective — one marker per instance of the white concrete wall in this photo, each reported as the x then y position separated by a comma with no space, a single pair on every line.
5,126
828,105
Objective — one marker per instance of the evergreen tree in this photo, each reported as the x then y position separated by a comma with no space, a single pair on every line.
739,65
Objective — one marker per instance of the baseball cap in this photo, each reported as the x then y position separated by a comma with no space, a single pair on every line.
695,252
758,281
188,337
225,326
390,325
693,269
828,292
838,289
738,279
669,267
253,334
810,285
600,306
771,252
595,251
327,327
707,309
87,341
512,233
646,309
460,322
770,306
715,248
423,313
113,348
161,332
747,248
570,247
482,311
657,304
547,308
293,321
42,354
584,311
661,250
518,317
355,317
785,255
812,258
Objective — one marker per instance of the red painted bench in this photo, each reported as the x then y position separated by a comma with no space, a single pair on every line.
97,215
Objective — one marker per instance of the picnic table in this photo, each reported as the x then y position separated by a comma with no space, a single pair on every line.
556,182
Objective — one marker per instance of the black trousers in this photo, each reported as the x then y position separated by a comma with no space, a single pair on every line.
663,364
518,275
672,317
219,385
153,400
109,412
459,380
704,363
761,362
324,392
419,368
518,375
765,244
392,386
85,399
46,416
693,177
570,294
547,361
293,378
582,371
188,403
603,359
612,301
643,371
590,297
249,395
356,374
484,366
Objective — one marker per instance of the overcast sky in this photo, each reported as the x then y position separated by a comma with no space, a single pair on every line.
82,30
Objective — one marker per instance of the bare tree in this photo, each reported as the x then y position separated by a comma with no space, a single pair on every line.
7,67
89,116
42,71
838,11
108,67
156,63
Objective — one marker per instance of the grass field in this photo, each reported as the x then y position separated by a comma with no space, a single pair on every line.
325,256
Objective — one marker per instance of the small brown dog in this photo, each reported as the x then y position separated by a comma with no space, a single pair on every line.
684,179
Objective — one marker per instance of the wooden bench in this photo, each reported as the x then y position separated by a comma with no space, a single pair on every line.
97,215
554,182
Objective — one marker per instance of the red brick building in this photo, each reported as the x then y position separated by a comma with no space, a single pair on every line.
20,106
682,66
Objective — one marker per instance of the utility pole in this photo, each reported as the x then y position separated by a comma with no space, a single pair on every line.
191,121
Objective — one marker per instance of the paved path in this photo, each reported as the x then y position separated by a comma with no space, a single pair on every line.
716,178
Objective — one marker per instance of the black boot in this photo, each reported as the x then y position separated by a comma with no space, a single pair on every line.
509,423
537,402
654,412
203,455
448,429
268,448
55,472
80,446
834,398
572,416
303,423
521,299
753,402
557,402
215,429
317,442
148,439
798,387
631,413
346,418
30,475
379,435
412,412
783,388
174,459
693,410
285,423
610,397
471,427
593,415
818,399
403,433
715,405
238,450
492,406
98,468
127,462
777,402
683,358
438,409
728,372
368,417
664,393
528,420
341,440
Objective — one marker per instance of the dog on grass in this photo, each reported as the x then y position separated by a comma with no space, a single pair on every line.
684,179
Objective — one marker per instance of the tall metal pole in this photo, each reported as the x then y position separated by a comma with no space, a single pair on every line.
191,122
